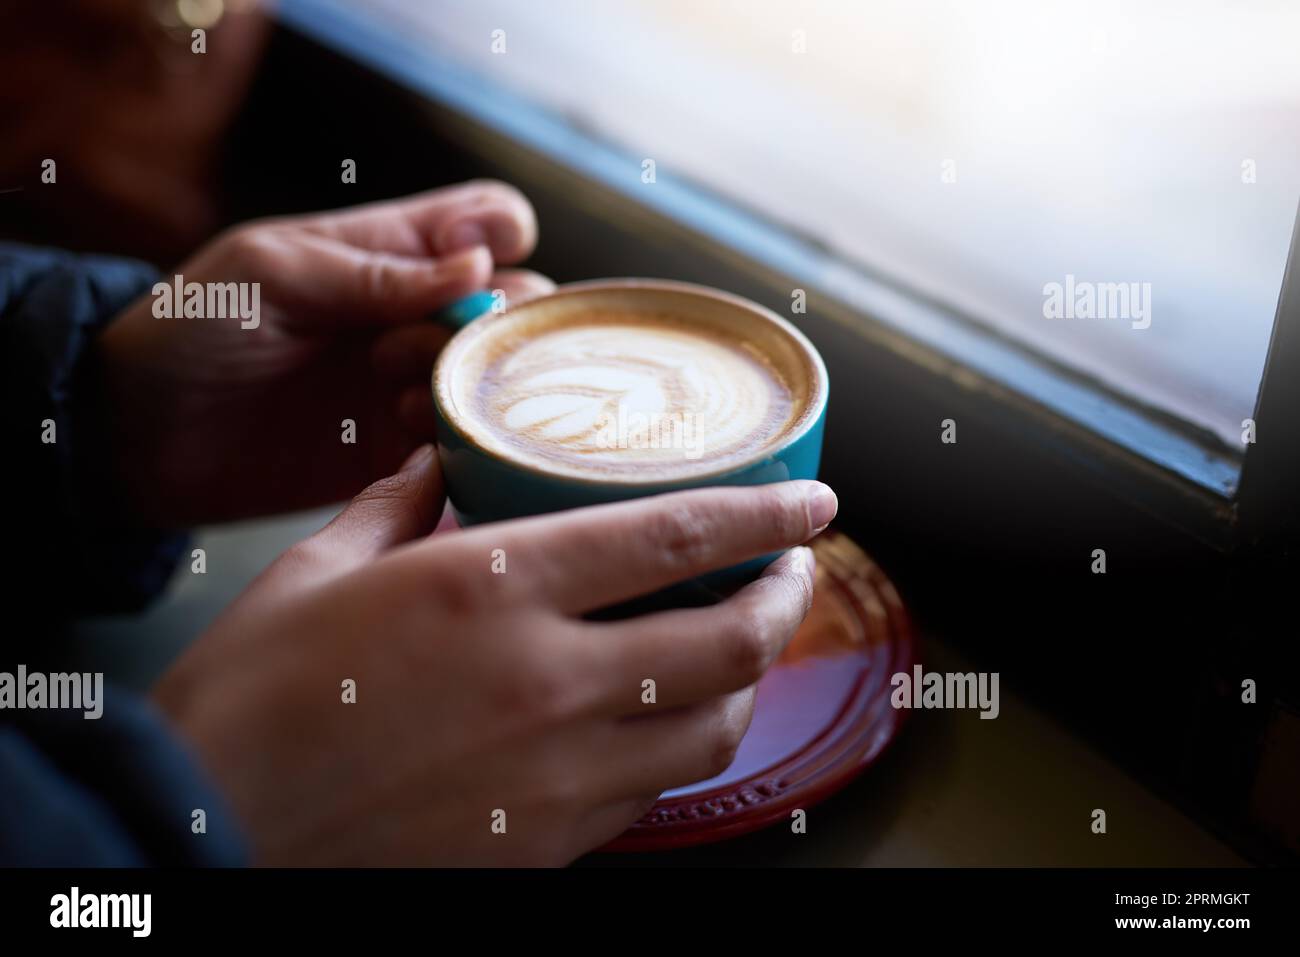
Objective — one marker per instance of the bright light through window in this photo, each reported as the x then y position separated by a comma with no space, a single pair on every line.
1013,160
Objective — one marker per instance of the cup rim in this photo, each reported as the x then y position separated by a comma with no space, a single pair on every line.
816,405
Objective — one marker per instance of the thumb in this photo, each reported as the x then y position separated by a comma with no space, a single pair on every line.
388,513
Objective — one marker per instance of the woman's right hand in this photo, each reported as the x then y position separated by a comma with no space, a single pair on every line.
479,689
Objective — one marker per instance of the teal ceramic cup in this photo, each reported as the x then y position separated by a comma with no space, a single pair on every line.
486,484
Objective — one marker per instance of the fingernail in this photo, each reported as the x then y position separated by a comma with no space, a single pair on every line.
417,458
463,260
822,506
810,559
469,269
464,235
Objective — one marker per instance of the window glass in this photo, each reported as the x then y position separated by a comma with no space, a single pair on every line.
1108,182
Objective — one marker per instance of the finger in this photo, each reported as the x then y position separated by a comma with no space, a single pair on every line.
694,654
415,413
520,285
608,821
341,285
394,510
679,747
440,221
497,216
590,558
407,354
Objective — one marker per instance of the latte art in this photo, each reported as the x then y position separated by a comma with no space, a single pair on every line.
613,389
631,393
642,383
627,395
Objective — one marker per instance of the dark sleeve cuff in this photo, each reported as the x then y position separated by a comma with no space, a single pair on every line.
117,791
75,558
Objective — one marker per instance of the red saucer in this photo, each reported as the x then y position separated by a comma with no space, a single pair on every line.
821,717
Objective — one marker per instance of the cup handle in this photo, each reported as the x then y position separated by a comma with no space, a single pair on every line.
462,312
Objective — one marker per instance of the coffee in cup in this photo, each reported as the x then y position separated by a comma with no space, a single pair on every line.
616,389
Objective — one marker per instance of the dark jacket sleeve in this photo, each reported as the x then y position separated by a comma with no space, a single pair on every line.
76,559
119,789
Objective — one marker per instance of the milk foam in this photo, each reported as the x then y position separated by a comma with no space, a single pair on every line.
612,395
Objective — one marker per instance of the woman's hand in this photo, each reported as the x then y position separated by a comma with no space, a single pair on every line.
342,334
481,694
